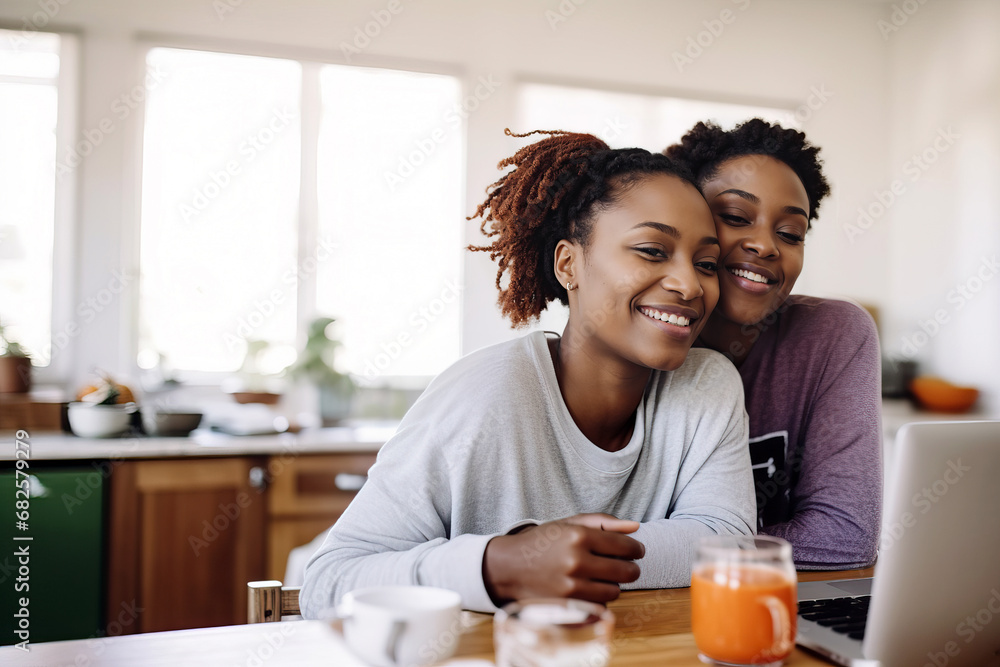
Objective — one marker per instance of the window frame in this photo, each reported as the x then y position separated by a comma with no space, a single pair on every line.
311,61
65,263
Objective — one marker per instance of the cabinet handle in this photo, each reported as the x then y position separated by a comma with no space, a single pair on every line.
258,478
348,482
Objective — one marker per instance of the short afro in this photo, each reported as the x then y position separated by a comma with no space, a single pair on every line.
706,146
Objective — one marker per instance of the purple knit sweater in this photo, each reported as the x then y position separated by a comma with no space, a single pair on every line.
813,394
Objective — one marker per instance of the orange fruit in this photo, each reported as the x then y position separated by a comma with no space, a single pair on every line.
125,394
86,389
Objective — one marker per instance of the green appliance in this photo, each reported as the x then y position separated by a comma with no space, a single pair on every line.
63,572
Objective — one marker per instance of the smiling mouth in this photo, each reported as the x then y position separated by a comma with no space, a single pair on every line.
669,318
751,276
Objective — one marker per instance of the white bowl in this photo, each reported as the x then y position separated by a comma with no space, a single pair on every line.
99,421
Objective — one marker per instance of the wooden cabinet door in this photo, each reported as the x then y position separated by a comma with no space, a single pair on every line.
185,538
307,495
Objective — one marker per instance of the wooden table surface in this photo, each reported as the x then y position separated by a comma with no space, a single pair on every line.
651,628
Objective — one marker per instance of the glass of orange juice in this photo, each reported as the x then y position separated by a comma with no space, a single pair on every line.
743,600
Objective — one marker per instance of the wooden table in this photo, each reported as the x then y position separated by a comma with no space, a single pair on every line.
651,628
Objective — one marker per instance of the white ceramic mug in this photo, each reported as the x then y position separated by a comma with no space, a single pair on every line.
401,626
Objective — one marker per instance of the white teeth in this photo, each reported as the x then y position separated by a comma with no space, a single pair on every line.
670,318
749,275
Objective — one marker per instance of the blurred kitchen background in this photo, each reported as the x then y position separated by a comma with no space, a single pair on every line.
187,187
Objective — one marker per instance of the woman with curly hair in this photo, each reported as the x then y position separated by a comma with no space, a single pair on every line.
810,367
548,466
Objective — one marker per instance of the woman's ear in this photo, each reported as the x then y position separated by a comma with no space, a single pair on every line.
566,258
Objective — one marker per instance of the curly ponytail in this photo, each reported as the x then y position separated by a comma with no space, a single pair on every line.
557,185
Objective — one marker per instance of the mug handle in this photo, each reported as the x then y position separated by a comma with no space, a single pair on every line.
345,610
392,642
782,625
341,612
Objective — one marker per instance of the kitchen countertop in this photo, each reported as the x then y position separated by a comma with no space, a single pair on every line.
357,437
56,445
899,411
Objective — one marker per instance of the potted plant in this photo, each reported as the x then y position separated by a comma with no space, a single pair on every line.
251,384
316,363
15,366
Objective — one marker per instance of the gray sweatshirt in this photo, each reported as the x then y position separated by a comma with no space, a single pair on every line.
491,445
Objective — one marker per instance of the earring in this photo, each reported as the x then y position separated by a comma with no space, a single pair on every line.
569,287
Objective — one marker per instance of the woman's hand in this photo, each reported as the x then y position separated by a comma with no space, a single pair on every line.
585,556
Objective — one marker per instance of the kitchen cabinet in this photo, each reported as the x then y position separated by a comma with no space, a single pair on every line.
186,535
31,411
306,495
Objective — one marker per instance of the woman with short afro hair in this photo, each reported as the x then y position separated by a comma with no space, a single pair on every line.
810,367
572,465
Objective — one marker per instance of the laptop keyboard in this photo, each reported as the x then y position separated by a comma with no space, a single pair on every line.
844,615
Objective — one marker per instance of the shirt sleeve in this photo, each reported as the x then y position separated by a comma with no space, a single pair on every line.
715,495
837,500
397,531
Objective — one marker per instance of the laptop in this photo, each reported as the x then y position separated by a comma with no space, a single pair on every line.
934,599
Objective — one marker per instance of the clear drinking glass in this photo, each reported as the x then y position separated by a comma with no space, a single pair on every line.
743,600
553,633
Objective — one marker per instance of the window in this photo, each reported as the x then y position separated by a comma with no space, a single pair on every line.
29,117
220,188
275,191
628,119
390,202
623,120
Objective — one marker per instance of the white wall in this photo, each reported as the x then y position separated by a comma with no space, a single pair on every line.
774,52
945,70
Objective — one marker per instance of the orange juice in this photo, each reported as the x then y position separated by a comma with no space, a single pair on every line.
731,613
